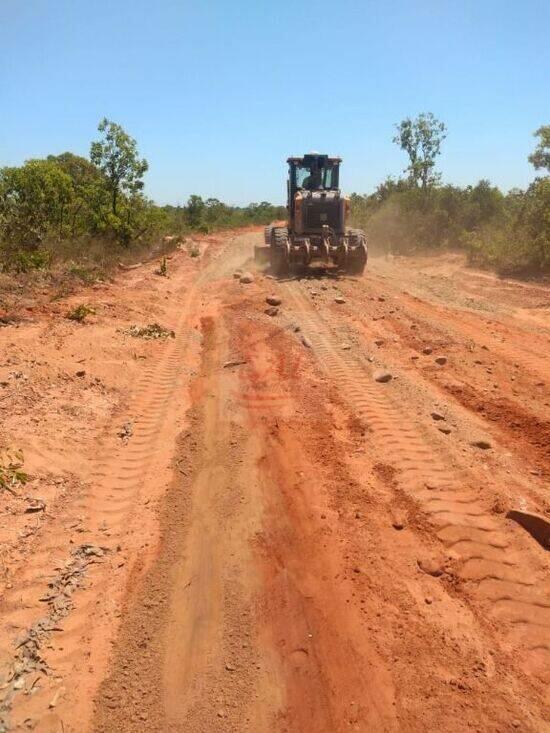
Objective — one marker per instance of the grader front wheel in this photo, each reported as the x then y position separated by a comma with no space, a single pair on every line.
280,252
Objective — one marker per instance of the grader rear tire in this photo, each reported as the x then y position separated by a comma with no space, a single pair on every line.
357,253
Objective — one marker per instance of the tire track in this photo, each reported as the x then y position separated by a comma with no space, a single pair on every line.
111,499
489,563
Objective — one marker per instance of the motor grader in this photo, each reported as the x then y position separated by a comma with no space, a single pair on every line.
316,230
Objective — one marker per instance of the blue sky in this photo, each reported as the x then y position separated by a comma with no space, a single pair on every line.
219,93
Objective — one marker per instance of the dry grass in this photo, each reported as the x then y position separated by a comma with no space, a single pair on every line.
70,265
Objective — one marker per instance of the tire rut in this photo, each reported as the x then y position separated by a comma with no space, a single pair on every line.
488,562
110,498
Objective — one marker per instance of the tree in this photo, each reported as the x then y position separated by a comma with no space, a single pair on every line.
540,158
194,210
117,158
89,195
421,139
34,201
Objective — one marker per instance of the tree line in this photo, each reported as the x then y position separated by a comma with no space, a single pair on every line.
62,205
509,232
69,207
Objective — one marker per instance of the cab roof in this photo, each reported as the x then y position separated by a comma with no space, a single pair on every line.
309,157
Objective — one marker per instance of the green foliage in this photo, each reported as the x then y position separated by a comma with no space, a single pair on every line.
206,216
116,156
195,211
69,208
520,244
89,199
540,158
22,261
87,275
421,139
11,470
34,203
80,313
92,213
509,233
163,268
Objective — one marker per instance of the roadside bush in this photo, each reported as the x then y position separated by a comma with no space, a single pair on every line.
509,233
521,242
33,203
80,312
21,261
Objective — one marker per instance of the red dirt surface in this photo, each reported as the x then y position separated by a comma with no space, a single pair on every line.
240,529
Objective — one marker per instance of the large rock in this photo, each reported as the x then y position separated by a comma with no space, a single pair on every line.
537,525
273,300
398,519
431,566
483,444
246,278
382,376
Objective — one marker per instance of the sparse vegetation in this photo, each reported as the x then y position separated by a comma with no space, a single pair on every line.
507,232
74,217
70,217
150,332
162,268
11,470
208,215
80,313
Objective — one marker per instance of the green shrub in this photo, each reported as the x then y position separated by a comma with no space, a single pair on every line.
162,269
85,274
520,244
11,470
80,313
20,261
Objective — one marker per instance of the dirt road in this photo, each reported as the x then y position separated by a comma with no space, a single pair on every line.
240,528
